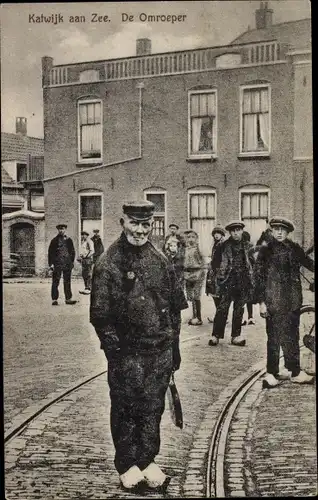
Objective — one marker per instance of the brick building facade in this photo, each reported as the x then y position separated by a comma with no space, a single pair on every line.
208,134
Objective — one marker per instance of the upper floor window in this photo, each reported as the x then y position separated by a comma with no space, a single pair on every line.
255,120
202,123
89,130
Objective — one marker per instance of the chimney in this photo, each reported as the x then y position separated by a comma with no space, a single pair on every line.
47,65
263,16
21,125
143,46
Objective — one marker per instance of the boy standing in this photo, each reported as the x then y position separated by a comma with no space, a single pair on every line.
279,293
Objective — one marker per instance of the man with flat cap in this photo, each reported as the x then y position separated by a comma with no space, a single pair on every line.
279,292
86,260
234,283
133,302
218,235
98,245
61,255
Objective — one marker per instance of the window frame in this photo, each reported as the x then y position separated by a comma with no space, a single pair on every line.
201,191
79,158
254,191
90,193
159,191
192,155
247,154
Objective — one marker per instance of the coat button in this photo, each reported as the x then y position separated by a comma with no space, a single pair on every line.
163,310
142,297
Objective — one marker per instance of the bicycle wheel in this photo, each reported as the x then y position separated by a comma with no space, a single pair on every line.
307,339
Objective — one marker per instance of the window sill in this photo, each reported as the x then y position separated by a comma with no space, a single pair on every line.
251,155
196,159
89,163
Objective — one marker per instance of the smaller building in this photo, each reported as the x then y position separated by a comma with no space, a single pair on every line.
22,171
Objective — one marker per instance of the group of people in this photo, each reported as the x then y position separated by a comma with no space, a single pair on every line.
61,257
244,274
137,296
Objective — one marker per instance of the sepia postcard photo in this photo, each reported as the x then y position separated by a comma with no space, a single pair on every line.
158,250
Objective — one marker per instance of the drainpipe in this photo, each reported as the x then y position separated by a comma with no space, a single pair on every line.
303,222
140,86
29,200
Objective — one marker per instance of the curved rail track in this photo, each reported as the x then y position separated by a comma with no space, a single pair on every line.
215,482
215,478
13,433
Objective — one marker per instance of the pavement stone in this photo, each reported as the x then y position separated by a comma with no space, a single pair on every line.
68,452
279,446
80,436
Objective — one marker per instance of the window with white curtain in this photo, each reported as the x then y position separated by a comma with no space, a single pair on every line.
202,215
202,123
255,212
90,130
90,212
255,120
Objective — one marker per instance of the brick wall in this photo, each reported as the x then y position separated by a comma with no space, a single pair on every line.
165,147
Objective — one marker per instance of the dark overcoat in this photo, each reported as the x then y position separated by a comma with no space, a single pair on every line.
277,276
223,262
98,247
134,298
210,288
52,252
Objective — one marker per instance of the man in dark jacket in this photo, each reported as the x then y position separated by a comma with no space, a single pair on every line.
133,302
279,293
61,255
218,235
98,245
234,283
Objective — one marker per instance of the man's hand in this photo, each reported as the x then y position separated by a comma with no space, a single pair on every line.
109,342
263,310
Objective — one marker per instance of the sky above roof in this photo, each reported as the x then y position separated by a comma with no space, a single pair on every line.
24,41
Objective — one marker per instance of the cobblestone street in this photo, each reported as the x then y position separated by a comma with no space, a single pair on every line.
67,451
45,348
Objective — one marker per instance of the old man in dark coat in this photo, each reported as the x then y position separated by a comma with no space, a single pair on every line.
133,302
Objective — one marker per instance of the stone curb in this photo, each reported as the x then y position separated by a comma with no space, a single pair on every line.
196,471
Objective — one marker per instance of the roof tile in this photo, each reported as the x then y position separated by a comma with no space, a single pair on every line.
17,147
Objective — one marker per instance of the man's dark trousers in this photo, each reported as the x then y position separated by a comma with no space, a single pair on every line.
283,331
56,276
138,384
239,300
87,265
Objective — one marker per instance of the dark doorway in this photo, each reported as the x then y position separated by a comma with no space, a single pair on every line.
22,244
